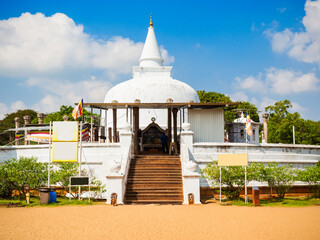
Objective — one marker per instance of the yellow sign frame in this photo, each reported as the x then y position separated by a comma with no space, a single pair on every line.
225,160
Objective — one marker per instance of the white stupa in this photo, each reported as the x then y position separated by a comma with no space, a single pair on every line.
151,83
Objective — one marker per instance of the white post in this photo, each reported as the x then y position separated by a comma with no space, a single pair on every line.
127,112
89,187
49,165
80,157
294,137
105,124
220,184
69,189
245,184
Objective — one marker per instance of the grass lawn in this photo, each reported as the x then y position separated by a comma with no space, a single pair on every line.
276,202
35,201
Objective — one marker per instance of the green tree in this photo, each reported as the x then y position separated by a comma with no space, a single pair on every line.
278,177
229,115
16,173
8,122
64,110
311,175
62,174
213,97
281,122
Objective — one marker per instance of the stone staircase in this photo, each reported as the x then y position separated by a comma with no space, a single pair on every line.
154,180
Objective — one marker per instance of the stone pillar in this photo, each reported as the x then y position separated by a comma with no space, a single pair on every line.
136,130
27,120
175,130
40,118
114,114
109,134
169,126
65,118
265,117
102,135
187,136
17,124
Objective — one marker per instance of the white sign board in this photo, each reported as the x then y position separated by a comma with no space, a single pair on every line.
65,142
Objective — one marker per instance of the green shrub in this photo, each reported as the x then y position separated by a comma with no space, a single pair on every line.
278,177
16,173
311,175
232,177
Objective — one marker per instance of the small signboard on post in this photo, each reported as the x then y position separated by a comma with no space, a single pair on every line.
233,159
227,160
79,181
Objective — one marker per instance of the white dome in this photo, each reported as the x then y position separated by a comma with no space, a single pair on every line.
152,90
151,83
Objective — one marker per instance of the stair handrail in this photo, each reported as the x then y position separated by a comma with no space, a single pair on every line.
125,165
185,158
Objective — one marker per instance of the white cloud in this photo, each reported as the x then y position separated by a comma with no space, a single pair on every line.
283,81
279,81
53,56
239,96
304,45
253,84
40,44
296,107
281,10
4,109
265,102
63,92
166,57
18,105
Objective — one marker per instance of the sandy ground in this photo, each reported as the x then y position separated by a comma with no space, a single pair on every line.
209,221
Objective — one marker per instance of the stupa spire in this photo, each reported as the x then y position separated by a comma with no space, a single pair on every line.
151,23
151,56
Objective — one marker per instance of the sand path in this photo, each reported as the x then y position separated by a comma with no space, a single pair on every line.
208,221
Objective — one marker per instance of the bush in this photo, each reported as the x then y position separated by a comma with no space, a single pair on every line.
311,175
232,177
278,177
16,173
61,176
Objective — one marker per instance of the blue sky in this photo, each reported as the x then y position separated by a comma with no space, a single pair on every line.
55,52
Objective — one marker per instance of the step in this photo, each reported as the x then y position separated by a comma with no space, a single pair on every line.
155,171
155,167
149,194
152,173
156,198
152,191
153,185
154,202
155,176
155,162
157,156
154,180
160,188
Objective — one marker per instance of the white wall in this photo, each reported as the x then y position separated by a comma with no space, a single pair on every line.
298,156
97,158
207,124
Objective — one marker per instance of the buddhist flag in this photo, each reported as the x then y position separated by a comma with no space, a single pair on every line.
248,125
78,110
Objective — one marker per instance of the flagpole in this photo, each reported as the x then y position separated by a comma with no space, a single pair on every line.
80,158
245,167
49,165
